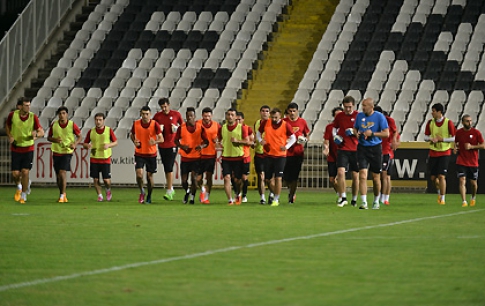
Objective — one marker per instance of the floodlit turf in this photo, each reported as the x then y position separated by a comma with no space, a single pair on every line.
414,252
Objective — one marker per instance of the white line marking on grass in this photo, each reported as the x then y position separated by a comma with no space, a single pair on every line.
223,250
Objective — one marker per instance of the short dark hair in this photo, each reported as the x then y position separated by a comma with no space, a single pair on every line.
348,99
232,109
190,109
438,107
377,108
206,110
240,114
275,110
21,100
292,105
336,109
264,107
163,101
145,108
100,115
62,108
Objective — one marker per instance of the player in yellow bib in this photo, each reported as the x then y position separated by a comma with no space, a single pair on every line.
65,135
23,128
100,139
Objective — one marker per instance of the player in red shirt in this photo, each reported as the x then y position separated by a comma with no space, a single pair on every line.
468,140
389,144
346,150
22,128
294,155
330,151
169,120
440,133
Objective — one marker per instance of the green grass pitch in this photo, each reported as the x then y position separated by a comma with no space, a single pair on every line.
414,252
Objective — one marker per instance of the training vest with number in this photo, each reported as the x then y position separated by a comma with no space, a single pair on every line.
230,150
443,131
67,136
22,130
97,143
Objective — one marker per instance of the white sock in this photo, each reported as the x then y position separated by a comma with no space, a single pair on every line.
363,198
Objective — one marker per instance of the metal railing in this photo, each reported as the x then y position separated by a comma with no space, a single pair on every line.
31,30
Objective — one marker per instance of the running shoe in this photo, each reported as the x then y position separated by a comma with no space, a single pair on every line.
472,203
141,198
363,206
108,195
342,202
275,203
16,197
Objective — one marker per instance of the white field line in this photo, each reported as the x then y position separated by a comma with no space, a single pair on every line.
223,250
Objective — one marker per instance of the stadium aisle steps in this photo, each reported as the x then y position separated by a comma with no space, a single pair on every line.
288,57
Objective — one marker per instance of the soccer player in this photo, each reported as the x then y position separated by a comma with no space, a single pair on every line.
440,133
233,137
100,139
146,134
468,140
208,154
330,151
370,127
22,128
65,135
190,139
389,145
294,155
169,121
346,150
247,156
259,154
278,138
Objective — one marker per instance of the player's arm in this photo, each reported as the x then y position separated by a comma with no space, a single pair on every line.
326,147
87,141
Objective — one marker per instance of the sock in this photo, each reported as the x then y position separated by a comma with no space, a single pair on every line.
344,195
143,190
354,198
108,189
263,197
442,197
61,196
377,198
276,197
473,197
100,195
206,196
19,186
363,198
192,196
23,195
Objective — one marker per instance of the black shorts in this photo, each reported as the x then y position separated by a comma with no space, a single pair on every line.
232,167
438,165
470,173
207,165
274,166
22,161
370,156
332,169
387,163
292,168
187,167
96,169
62,162
259,163
347,160
246,168
168,156
150,163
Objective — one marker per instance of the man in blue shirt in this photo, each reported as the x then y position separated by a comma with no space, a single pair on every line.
370,127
